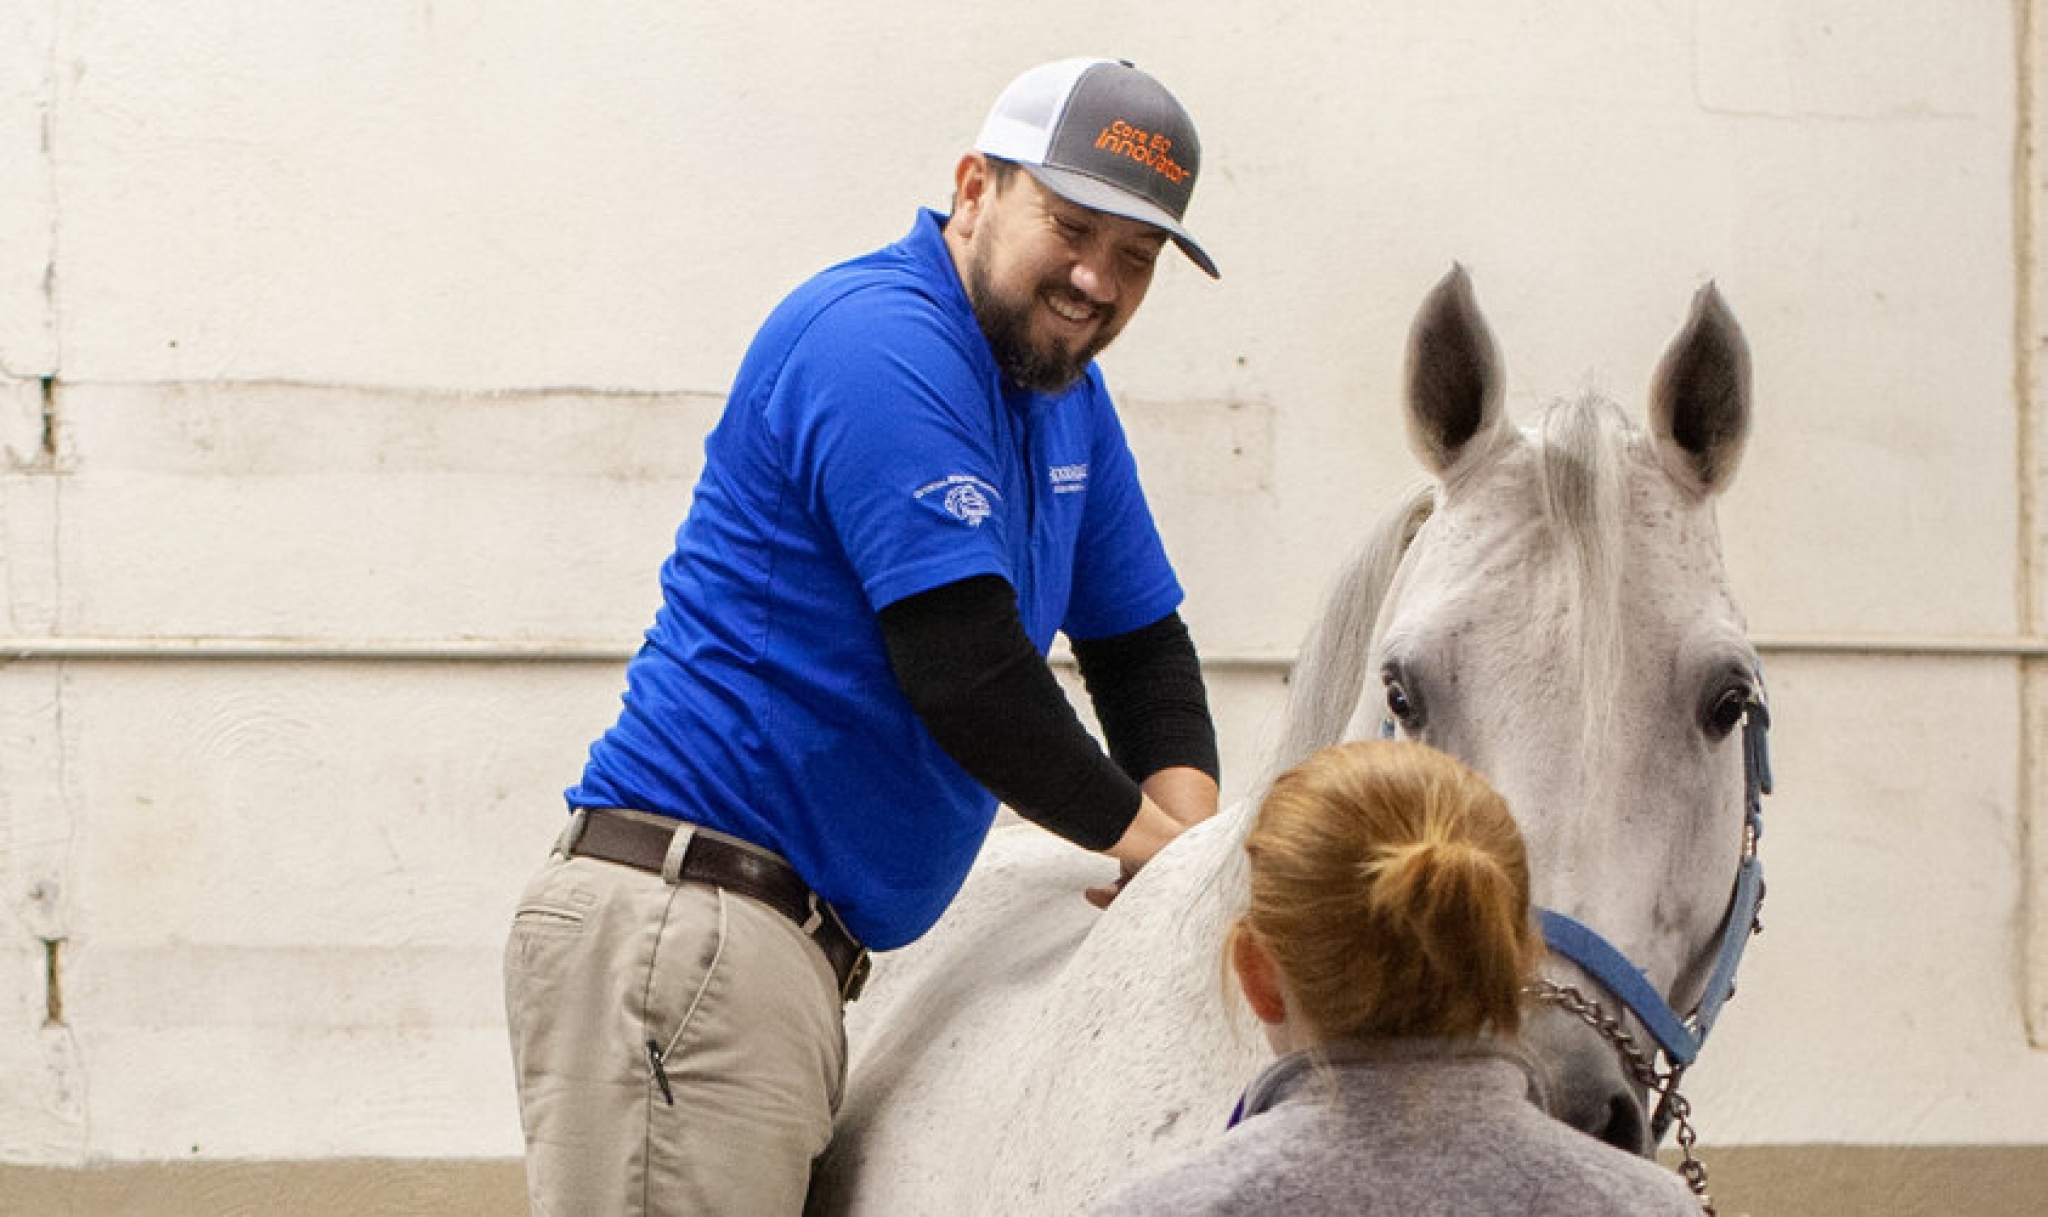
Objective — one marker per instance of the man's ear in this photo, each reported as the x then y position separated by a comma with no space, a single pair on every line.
972,186
1258,976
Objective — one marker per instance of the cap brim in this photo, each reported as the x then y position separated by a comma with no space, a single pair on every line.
1098,195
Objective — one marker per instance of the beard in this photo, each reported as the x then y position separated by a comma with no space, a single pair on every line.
1044,367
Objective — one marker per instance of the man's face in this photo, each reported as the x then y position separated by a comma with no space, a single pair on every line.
1051,282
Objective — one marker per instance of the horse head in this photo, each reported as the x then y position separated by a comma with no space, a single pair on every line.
1561,621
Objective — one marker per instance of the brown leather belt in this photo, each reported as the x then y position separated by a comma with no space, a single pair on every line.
615,836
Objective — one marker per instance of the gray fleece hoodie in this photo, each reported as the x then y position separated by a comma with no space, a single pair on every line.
1409,1127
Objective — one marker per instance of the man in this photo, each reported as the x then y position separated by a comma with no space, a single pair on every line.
919,478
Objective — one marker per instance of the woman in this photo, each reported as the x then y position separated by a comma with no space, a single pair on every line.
1384,948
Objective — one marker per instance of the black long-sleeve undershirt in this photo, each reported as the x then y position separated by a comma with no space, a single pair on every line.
961,656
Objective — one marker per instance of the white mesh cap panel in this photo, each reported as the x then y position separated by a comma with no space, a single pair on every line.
1019,126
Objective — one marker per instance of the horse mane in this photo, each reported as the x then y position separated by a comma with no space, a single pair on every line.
1325,682
1329,673
1581,450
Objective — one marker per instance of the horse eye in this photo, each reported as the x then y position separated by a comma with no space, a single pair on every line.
1727,711
1401,706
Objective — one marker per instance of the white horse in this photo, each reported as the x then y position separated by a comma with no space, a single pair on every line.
1553,610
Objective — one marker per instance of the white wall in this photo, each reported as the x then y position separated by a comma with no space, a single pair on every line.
354,359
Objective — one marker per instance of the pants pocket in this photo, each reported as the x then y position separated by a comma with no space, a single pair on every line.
552,914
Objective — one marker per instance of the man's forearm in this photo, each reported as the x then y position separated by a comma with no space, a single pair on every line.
1151,830
1188,795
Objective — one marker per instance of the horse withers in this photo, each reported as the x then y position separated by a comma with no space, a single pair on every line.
1552,608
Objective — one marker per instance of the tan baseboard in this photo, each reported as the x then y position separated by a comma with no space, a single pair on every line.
1762,1181
1876,1180
372,1187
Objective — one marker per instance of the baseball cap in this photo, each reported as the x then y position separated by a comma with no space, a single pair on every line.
1104,135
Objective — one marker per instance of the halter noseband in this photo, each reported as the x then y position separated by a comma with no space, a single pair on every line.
1682,1038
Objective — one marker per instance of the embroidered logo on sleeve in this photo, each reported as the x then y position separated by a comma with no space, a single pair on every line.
1069,479
961,495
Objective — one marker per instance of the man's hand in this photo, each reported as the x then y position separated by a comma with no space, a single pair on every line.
1150,831
1102,895
1174,800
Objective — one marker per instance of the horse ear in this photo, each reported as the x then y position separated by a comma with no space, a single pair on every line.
1454,389
1699,397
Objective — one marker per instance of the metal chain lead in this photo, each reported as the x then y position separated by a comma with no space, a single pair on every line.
1643,1067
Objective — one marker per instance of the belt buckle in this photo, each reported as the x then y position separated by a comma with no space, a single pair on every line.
856,977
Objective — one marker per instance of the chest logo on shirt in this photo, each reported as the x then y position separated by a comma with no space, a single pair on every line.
961,495
1069,479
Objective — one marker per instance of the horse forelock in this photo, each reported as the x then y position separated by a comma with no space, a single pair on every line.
1582,454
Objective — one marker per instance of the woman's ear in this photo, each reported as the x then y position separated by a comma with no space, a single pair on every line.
1258,976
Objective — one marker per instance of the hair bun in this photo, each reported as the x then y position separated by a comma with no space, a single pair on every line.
1392,886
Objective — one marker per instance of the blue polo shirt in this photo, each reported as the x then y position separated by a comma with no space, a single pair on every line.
870,450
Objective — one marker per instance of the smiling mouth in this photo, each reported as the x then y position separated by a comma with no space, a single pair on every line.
1071,310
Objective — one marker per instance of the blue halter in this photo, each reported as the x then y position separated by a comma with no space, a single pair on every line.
1682,1038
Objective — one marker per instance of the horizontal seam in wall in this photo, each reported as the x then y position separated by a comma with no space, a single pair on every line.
225,648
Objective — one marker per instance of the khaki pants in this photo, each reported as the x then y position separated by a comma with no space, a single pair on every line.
742,1008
